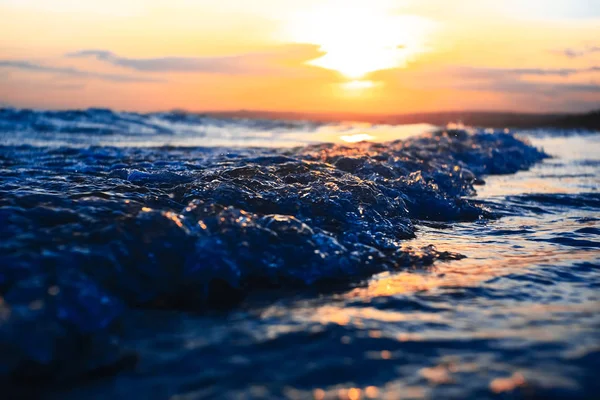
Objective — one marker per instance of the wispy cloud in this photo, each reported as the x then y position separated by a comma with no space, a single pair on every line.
515,80
259,63
71,72
528,87
498,80
577,53
477,72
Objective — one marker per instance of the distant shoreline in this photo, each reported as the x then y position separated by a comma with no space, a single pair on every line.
590,120
486,119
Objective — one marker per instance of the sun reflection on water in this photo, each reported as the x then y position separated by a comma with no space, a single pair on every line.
359,137
486,263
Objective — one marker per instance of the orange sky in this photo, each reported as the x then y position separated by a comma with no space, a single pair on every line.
368,56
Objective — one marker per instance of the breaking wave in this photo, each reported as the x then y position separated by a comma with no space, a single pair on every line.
87,233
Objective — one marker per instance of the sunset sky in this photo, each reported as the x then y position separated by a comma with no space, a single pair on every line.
366,56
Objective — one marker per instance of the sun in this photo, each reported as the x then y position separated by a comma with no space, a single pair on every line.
359,37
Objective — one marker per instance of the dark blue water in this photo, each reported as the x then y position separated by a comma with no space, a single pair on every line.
136,264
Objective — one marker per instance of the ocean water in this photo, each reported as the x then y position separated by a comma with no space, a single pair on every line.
180,256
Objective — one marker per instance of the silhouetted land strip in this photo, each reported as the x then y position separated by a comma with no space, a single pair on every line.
589,120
